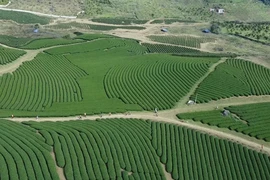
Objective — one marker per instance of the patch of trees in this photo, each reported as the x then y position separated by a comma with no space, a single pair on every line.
267,2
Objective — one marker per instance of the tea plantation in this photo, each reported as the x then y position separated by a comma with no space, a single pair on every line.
97,73
8,55
189,41
100,73
235,77
252,119
122,149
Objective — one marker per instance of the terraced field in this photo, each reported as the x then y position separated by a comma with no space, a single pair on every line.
188,41
123,148
23,18
39,83
154,82
119,21
161,48
235,77
96,27
24,153
13,41
42,43
8,55
252,120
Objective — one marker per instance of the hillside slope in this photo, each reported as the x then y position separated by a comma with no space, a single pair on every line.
147,9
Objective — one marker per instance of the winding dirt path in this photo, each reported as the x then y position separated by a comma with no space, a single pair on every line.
185,99
163,117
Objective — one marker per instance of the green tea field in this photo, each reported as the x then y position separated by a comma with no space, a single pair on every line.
122,149
145,90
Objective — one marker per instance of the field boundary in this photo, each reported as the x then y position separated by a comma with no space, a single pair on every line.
185,99
38,13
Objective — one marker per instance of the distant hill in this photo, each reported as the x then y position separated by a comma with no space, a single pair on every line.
199,10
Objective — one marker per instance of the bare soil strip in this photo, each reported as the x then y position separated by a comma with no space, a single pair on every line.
59,170
29,56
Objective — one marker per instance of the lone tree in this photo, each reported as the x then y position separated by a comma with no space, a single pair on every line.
215,28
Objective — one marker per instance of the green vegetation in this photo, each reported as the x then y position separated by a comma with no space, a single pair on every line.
189,41
170,21
13,41
22,17
188,154
4,2
8,55
267,2
89,37
136,149
258,32
108,28
235,77
105,75
42,43
155,81
119,21
24,153
39,83
92,26
251,119
162,48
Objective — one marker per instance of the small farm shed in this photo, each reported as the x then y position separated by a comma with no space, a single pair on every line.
190,102
164,30
220,11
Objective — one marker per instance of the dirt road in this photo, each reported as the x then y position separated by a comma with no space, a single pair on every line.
160,118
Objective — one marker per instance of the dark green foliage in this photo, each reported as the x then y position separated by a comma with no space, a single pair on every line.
254,31
108,28
22,17
119,21
189,41
267,2
161,48
93,26
215,28
47,42
170,21
14,41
